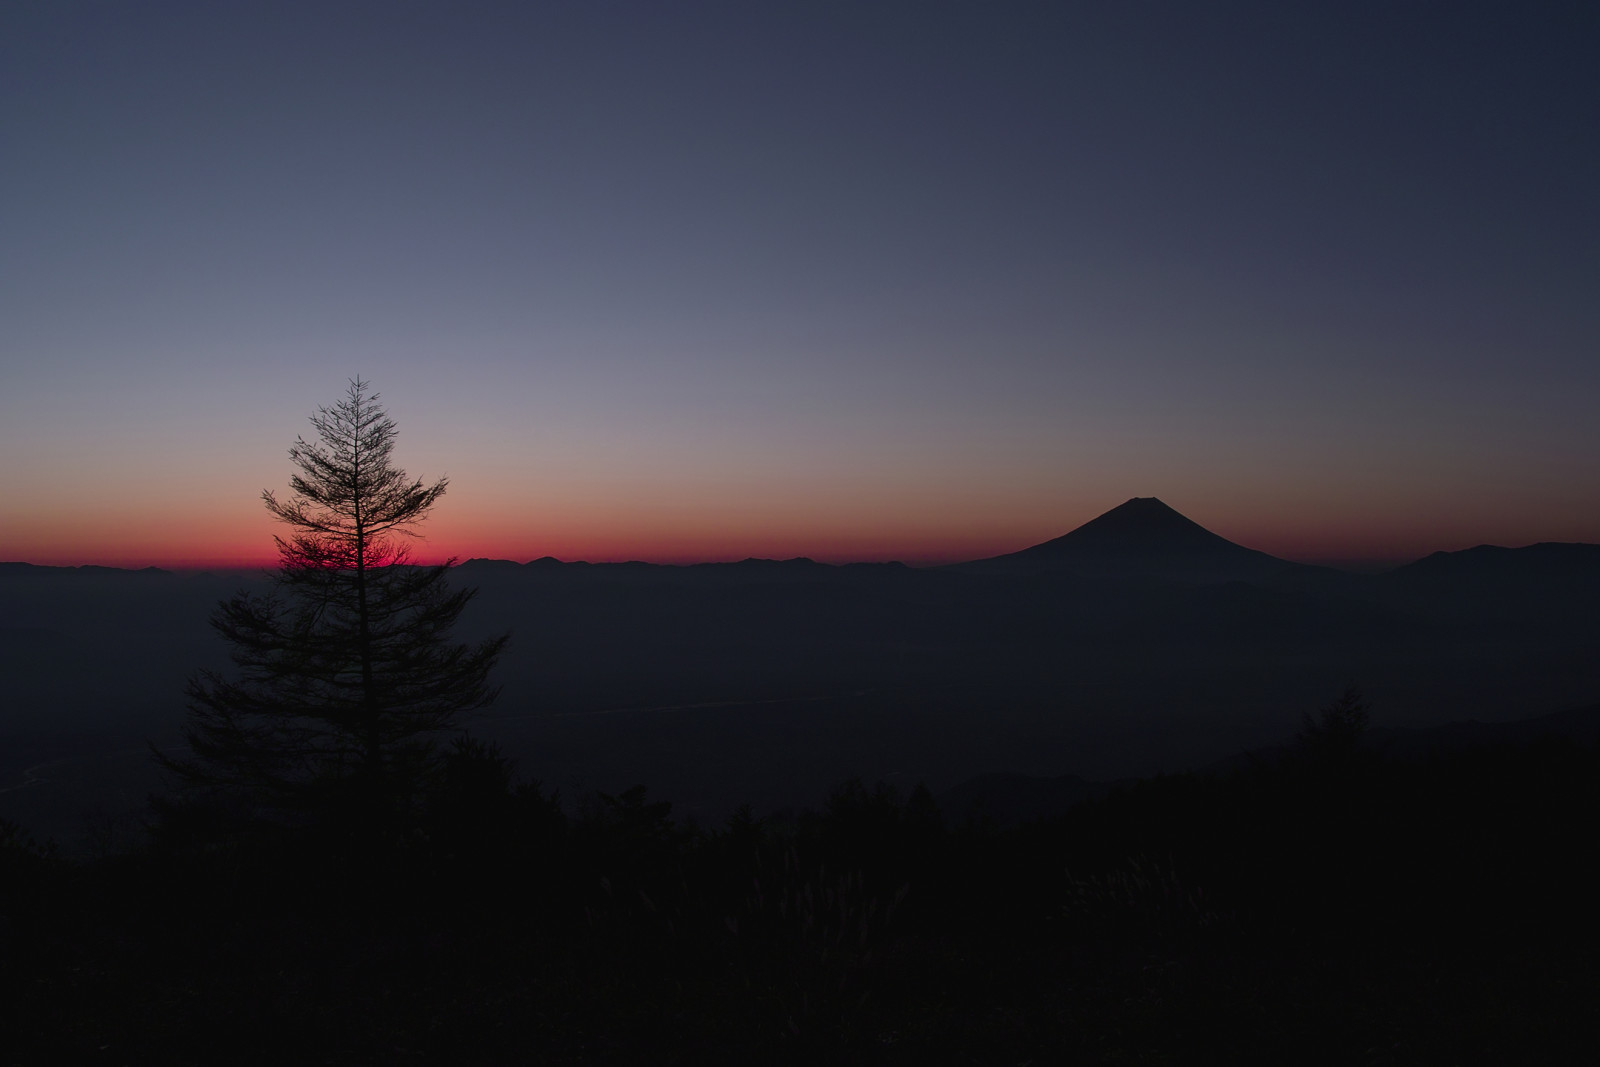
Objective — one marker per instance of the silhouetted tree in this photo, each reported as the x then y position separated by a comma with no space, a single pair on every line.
1335,732
347,672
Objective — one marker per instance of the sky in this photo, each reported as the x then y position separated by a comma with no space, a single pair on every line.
924,281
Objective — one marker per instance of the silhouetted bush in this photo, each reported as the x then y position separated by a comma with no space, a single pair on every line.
1439,908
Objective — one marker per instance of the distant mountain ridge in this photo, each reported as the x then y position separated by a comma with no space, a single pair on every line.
1546,557
551,563
752,565
1140,539
17,569
1143,539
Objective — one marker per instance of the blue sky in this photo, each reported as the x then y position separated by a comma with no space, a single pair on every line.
851,281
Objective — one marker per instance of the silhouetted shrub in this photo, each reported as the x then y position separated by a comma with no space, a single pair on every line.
1258,916
1335,732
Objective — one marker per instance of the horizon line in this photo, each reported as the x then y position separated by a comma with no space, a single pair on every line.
1356,564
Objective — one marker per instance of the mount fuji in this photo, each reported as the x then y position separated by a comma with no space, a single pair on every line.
1143,538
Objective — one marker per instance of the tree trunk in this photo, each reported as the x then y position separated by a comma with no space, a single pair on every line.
373,754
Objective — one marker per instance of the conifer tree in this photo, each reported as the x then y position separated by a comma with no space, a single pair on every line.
346,670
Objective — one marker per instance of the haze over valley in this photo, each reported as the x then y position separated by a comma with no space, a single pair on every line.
1137,643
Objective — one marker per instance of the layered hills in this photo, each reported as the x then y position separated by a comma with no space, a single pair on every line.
1143,538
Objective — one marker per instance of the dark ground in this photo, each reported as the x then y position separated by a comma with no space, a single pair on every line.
1328,906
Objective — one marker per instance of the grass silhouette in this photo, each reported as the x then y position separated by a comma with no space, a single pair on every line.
1436,909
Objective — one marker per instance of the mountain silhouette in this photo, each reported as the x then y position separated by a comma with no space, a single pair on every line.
1549,587
1143,538
1560,560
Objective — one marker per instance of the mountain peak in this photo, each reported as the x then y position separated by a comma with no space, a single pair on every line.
1143,522
1145,538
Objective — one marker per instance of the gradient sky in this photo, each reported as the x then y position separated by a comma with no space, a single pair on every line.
854,281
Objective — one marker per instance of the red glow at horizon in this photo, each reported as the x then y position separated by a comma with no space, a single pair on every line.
248,544
662,524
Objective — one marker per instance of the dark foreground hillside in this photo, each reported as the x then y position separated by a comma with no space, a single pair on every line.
1332,906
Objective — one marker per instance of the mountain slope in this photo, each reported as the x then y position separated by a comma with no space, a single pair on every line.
1551,586
1143,538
